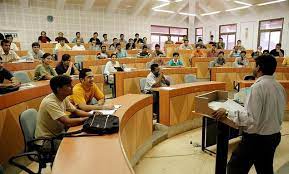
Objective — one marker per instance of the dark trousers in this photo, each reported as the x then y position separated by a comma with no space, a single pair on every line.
257,150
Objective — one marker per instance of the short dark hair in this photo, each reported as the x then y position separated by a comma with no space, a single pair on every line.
267,64
82,73
136,34
220,38
43,32
8,35
46,55
1,58
266,51
65,57
143,47
121,35
118,44
186,40
95,33
104,35
243,52
35,44
214,45
212,36
175,53
157,45
4,42
114,38
239,40
221,52
102,46
112,54
77,33
199,40
278,44
154,66
61,39
58,82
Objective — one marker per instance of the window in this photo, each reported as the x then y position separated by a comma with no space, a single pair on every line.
159,34
270,33
198,34
228,33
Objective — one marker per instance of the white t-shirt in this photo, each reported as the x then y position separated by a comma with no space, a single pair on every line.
78,48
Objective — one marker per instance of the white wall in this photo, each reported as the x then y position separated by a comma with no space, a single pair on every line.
29,22
247,21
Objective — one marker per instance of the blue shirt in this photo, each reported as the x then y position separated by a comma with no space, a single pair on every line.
173,63
121,54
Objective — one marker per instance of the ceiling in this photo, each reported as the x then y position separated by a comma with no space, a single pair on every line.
144,7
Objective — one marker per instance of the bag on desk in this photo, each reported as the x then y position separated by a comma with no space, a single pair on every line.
7,89
101,124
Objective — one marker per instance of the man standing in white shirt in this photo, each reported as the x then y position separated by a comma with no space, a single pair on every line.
262,119
13,46
78,46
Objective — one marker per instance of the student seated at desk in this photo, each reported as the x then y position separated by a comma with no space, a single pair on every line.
198,52
7,54
43,38
44,71
157,52
257,53
66,66
169,41
61,46
186,46
35,53
240,46
213,52
105,40
120,53
13,46
86,90
94,46
144,53
235,53
5,74
94,38
113,45
77,37
130,45
109,68
155,79
122,40
277,52
200,44
52,116
266,52
219,61
103,54
78,46
176,61
241,61
261,121
221,44
60,35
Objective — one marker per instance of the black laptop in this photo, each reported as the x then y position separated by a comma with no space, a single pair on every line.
118,68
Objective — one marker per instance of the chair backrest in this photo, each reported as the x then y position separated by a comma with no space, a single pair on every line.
249,77
22,76
142,83
190,78
27,122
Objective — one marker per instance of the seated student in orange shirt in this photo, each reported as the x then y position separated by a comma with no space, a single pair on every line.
86,90
198,52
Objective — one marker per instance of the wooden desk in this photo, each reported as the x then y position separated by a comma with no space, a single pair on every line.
21,66
14,103
177,103
109,154
97,66
128,82
22,53
202,64
229,75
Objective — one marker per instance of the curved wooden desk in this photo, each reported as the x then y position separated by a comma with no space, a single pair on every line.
12,104
128,82
97,66
21,66
177,102
229,75
110,153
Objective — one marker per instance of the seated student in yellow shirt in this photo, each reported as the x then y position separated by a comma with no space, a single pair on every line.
86,90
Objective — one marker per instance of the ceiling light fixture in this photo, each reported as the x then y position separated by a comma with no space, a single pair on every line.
271,2
243,3
165,11
159,6
164,0
178,0
238,8
211,13
187,14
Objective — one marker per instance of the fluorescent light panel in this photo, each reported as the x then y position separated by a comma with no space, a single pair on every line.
243,3
271,2
165,11
165,4
211,13
187,14
238,8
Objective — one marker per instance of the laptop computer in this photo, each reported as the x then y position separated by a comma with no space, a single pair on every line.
118,68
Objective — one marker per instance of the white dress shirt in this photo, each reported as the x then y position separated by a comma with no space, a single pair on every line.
264,107
150,81
78,48
109,67
14,47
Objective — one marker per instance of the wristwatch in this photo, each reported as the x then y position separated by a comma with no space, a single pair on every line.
227,112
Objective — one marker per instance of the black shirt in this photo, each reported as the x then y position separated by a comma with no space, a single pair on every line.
60,69
96,40
275,53
5,74
139,40
1,36
129,46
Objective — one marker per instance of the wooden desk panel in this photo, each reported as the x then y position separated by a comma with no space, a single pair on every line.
128,82
23,65
177,103
22,53
14,103
110,153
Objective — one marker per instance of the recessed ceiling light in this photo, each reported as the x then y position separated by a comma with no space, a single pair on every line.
238,8
165,11
211,13
187,14
271,2
159,6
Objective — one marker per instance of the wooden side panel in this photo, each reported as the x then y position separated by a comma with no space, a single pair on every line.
228,78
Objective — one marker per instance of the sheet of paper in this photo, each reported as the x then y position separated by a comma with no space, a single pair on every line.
26,86
107,112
